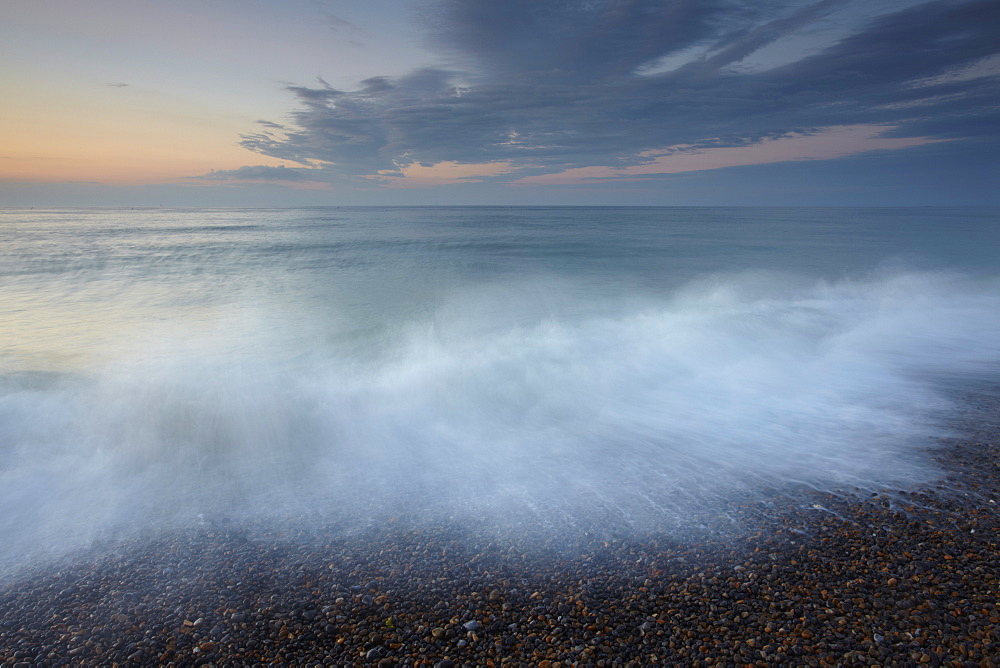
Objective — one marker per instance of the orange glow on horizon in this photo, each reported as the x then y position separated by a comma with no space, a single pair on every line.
120,169
116,137
832,142
447,172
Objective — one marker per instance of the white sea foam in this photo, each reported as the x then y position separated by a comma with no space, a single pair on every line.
489,409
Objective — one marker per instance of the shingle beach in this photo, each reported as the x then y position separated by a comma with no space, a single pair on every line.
898,578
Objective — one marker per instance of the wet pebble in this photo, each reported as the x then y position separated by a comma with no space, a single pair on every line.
899,578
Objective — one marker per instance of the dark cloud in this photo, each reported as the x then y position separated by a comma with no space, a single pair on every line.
737,47
555,85
570,40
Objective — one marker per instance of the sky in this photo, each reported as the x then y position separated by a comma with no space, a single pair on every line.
520,102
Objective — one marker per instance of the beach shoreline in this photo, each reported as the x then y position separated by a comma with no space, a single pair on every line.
900,578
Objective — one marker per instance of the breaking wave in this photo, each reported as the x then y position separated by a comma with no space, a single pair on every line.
488,410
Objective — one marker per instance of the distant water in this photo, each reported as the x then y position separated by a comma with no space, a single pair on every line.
622,366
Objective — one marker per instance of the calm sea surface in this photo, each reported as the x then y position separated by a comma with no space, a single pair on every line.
624,365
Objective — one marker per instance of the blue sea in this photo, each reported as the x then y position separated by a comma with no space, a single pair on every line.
629,367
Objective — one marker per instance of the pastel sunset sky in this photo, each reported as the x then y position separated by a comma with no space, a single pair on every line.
650,102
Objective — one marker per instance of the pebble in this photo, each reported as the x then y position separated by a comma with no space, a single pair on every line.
905,577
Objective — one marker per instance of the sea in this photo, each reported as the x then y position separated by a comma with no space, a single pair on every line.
543,367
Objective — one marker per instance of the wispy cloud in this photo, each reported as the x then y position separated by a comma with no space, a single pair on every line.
830,143
262,173
554,90
416,175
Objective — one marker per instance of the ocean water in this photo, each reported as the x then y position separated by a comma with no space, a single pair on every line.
628,367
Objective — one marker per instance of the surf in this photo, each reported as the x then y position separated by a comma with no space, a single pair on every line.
492,409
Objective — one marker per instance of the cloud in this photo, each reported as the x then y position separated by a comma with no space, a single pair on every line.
734,48
571,40
548,88
416,175
830,143
337,23
261,173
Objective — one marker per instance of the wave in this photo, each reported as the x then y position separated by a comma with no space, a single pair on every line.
487,410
